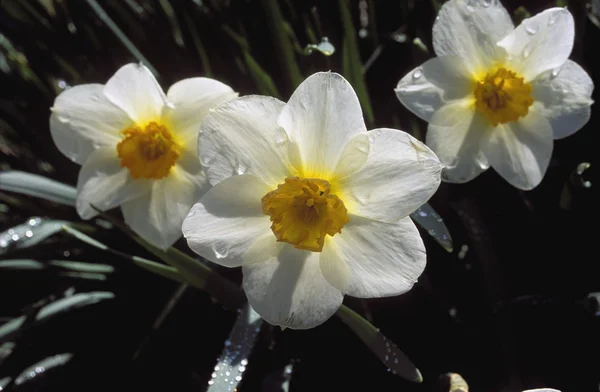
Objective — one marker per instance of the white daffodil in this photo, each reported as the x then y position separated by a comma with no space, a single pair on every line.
498,95
309,203
138,147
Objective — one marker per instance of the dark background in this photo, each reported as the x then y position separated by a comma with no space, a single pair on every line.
511,314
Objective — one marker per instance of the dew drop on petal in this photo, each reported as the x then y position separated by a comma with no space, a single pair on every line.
555,72
219,253
417,74
530,28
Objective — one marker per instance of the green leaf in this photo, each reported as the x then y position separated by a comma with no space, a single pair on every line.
63,305
426,217
165,271
199,275
381,346
283,47
21,265
37,186
198,45
31,372
261,78
352,68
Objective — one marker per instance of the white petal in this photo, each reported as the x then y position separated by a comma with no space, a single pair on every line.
191,101
158,215
470,30
354,156
400,175
227,220
457,144
83,120
334,267
135,90
566,97
542,390
426,88
321,116
520,151
105,184
242,137
540,43
290,290
384,259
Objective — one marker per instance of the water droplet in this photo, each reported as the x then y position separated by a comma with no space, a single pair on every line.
217,368
244,362
210,382
191,213
213,375
486,3
417,74
363,33
378,132
15,237
553,18
227,373
241,169
555,72
219,253
29,234
207,161
530,28
238,378
526,53
242,369
3,243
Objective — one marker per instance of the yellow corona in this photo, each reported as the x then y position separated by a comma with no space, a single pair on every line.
304,211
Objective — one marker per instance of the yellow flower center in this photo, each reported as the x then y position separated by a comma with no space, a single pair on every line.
502,96
148,152
303,211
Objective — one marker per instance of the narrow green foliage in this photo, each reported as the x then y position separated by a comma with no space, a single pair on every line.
351,64
283,47
381,346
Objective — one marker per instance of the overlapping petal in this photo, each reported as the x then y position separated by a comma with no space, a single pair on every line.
227,220
427,88
190,100
242,137
383,259
457,142
322,115
470,30
566,94
520,151
134,89
104,184
290,290
157,215
400,174
540,43
83,120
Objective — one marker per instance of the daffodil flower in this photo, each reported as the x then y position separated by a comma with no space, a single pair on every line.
310,204
498,95
138,147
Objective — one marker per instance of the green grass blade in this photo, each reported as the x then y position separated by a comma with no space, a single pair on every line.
351,64
281,41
